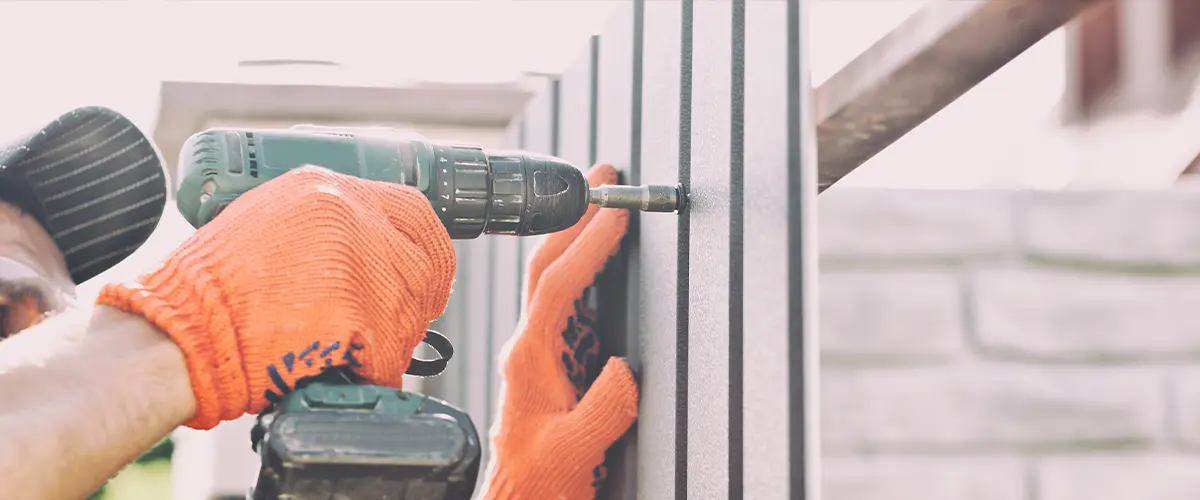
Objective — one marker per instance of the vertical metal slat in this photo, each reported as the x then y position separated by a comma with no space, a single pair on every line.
708,322
617,117
657,256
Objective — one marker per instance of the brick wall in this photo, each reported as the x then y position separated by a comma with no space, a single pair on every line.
1010,346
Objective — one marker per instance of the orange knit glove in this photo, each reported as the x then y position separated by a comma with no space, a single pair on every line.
553,430
310,270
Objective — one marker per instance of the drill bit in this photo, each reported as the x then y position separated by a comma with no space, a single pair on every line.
647,198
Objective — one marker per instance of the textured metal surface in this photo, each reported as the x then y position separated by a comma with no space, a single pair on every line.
717,109
919,68
765,395
657,254
576,117
708,350
617,300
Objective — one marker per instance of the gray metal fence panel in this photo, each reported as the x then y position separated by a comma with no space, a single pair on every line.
765,160
709,321
659,465
713,307
617,72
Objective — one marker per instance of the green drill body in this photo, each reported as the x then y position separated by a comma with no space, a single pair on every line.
473,191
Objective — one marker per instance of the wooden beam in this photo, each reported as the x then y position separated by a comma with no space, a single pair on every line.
931,59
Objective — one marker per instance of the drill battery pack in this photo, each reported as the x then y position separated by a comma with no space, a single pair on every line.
345,441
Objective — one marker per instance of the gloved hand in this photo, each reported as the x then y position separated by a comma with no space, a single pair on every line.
550,439
309,270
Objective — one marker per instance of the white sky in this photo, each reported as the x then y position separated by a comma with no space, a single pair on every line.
124,48
59,54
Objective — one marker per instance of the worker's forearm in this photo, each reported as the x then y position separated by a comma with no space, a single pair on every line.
81,397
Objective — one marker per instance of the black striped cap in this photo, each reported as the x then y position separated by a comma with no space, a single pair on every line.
95,183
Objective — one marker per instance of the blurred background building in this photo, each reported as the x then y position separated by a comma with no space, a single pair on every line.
1005,291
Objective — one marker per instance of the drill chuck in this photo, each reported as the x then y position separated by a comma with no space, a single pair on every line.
532,194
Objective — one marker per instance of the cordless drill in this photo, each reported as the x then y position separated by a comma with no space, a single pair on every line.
336,437
473,191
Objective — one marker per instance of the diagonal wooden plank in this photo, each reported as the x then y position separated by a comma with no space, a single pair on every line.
916,70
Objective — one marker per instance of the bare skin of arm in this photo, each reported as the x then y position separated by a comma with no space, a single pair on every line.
82,393
83,397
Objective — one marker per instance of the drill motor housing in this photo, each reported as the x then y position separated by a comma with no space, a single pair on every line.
473,191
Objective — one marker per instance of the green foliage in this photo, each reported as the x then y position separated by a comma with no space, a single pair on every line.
159,454
160,451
